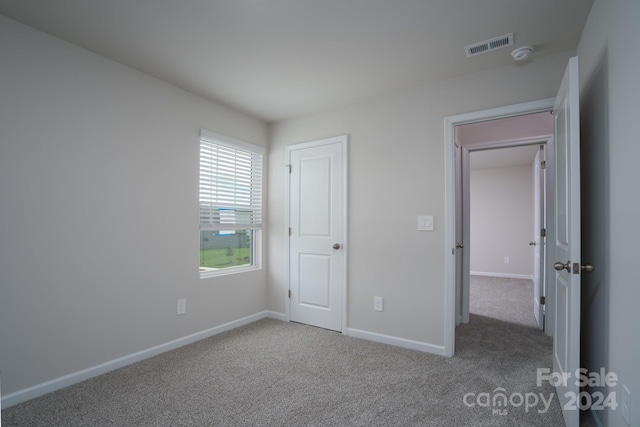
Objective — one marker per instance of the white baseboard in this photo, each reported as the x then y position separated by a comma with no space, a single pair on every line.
37,390
276,315
399,342
507,275
76,377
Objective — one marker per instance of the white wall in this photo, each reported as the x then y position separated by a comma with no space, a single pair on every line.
501,221
396,163
99,211
610,151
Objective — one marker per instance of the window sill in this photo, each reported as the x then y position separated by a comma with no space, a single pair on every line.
215,272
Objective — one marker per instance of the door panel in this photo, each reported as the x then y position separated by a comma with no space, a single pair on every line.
314,280
566,338
466,233
315,196
317,216
459,238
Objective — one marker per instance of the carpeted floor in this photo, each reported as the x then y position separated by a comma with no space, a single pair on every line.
271,373
501,298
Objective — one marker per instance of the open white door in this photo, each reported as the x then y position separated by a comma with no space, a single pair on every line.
566,337
317,232
459,242
466,234
538,241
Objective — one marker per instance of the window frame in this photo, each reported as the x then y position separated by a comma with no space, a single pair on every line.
210,137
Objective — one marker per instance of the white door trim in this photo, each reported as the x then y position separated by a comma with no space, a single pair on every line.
343,140
450,123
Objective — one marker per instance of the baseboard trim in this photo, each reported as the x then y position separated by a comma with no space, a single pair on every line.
398,342
38,390
506,275
276,315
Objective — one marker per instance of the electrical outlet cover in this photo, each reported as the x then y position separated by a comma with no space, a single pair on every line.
181,306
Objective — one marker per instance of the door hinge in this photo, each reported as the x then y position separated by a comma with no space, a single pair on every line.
543,232
543,164
543,300
288,166
289,231
289,293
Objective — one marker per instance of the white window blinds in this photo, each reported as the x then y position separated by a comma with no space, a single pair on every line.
230,184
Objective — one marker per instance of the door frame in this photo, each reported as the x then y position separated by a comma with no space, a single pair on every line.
450,122
343,140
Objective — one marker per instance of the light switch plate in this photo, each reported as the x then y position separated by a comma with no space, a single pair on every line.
425,222
378,303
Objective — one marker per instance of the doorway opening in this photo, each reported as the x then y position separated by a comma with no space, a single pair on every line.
502,209
504,250
458,149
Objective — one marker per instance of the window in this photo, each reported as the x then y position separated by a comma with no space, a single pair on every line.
230,205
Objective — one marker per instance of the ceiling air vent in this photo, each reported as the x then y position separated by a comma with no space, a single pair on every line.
489,45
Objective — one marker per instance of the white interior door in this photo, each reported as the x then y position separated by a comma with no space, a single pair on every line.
465,247
538,241
459,238
317,220
566,337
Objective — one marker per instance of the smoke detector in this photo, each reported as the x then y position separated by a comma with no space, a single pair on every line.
522,53
489,45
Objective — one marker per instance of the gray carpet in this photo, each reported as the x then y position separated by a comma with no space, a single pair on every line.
500,298
271,373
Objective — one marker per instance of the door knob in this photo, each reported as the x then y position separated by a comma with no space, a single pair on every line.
560,266
532,243
587,268
336,246
459,245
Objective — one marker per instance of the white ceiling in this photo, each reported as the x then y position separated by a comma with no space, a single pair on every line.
278,59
